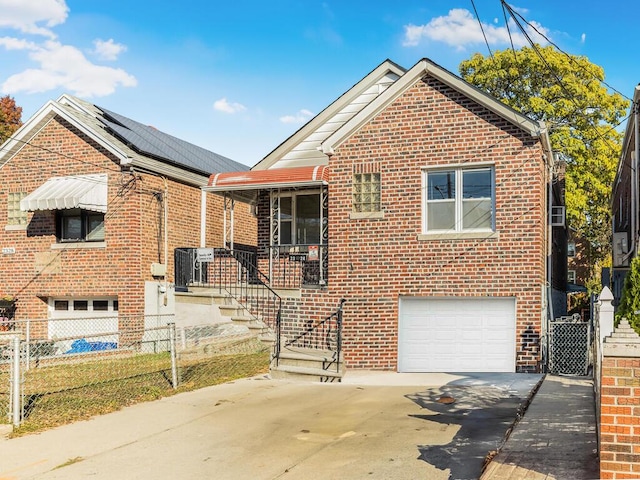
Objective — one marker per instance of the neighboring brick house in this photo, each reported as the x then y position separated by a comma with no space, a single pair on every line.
625,203
92,207
422,201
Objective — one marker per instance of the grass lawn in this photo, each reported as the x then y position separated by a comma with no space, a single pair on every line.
62,393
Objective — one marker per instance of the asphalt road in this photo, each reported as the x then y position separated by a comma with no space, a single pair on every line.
378,426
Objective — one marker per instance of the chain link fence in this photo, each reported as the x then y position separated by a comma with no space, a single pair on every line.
73,369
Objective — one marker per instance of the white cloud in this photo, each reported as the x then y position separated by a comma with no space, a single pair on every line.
108,50
56,66
64,66
300,117
222,105
27,15
460,29
583,38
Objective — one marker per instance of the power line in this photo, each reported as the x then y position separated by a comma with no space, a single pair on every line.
473,3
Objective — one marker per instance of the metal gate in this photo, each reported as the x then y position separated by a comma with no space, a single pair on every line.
569,346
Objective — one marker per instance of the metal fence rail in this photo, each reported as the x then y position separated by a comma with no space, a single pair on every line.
69,369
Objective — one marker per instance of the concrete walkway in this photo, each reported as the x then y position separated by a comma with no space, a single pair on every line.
556,438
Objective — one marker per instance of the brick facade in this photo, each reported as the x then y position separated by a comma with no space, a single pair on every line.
620,404
134,237
373,262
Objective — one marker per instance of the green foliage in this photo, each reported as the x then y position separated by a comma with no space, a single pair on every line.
630,301
567,93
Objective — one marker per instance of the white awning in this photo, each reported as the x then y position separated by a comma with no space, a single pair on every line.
88,192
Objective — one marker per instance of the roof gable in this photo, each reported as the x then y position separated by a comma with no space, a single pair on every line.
418,71
129,141
303,148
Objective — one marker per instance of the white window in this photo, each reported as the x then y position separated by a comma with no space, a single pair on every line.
557,216
571,276
299,219
571,249
457,200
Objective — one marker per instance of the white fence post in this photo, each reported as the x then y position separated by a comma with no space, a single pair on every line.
605,318
16,402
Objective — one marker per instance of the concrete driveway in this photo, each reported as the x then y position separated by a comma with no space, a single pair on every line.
373,425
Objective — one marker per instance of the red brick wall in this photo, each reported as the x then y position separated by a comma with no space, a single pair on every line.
620,418
373,262
134,236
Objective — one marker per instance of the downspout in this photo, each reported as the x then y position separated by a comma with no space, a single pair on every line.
634,181
166,241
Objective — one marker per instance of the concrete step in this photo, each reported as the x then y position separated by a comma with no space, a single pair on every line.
307,364
308,374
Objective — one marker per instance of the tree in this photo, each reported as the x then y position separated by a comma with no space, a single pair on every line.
567,92
10,117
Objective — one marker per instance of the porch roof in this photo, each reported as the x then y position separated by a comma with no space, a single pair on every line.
244,186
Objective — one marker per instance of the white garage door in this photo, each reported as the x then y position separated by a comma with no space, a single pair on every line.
457,335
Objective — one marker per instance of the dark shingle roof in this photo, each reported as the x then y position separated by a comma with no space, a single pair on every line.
150,141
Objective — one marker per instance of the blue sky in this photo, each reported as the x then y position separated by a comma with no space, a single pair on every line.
239,77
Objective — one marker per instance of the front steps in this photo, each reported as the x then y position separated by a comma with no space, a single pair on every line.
307,364
205,306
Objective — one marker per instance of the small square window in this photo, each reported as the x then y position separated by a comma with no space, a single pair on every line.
61,305
80,305
101,305
366,192
15,216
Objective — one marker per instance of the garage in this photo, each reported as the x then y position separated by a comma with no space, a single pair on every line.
457,334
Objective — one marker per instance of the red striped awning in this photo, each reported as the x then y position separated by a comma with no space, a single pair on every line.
247,184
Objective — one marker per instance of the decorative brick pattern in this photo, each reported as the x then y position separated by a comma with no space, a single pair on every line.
374,262
620,404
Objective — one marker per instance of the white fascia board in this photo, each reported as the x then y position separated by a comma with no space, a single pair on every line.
37,121
420,69
313,124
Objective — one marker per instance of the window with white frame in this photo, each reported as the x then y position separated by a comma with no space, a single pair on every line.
571,276
571,249
459,200
15,216
299,218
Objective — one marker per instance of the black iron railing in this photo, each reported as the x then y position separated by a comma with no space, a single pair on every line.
295,266
323,335
234,272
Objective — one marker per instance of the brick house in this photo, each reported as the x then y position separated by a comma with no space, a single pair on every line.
625,205
421,201
92,206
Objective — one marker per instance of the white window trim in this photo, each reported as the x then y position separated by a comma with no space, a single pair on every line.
458,231
571,273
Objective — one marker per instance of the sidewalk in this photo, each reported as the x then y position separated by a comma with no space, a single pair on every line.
556,438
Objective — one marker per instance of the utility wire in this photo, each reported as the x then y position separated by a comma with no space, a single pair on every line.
473,3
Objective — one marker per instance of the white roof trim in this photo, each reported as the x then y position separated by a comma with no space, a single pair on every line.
313,124
88,192
32,126
427,67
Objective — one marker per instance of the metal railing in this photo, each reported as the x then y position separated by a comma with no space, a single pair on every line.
236,273
295,266
323,335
